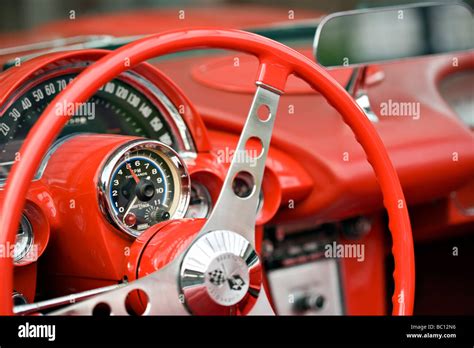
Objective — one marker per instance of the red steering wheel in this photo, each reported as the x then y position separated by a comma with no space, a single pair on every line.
277,61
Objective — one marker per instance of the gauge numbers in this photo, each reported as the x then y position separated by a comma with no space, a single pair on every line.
145,183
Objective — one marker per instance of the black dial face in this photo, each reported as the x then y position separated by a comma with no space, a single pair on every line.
142,190
145,185
117,108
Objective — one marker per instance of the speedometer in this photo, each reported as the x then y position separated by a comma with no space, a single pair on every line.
127,105
145,182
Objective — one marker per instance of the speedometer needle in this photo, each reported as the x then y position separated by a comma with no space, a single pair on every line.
134,175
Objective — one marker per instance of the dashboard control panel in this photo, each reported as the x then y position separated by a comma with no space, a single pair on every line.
302,280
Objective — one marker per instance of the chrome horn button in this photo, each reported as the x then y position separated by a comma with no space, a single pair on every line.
220,274
227,279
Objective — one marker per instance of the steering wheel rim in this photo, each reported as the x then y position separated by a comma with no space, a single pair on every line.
277,61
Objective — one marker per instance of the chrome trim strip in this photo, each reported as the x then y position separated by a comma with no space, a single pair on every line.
58,44
44,161
63,300
51,151
268,87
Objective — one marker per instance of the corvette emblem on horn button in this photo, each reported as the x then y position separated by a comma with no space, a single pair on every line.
219,272
236,282
216,277
228,281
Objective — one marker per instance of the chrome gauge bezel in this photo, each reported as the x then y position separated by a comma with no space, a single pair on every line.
204,195
182,181
26,228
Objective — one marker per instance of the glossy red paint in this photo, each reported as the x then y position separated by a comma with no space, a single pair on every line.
161,245
364,281
25,281
448,216
235,74
91,245
277,61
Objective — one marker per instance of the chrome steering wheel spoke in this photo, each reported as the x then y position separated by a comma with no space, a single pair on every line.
232,212
160,288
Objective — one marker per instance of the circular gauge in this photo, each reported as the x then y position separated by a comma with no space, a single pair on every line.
200,204
145,182
24,240
243,185
127,105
